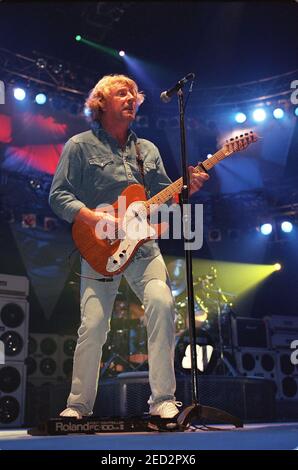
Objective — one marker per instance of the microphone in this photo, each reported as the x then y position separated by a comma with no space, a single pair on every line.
166,96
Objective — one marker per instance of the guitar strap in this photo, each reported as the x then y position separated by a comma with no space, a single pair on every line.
140,163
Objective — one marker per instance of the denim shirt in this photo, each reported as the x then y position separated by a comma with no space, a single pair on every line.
93,170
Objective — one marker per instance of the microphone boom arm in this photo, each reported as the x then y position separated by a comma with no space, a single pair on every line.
166,96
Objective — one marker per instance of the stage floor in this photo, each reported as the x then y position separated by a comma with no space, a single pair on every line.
264,436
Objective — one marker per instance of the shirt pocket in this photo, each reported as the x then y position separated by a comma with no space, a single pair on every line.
101,161
101,171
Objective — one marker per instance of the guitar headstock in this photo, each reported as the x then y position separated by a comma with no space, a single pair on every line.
241,142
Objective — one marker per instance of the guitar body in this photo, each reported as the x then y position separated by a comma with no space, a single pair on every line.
111,258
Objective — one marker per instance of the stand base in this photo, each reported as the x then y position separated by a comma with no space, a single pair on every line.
200,412
225,368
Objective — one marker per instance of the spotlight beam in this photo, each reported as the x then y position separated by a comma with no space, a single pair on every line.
100,47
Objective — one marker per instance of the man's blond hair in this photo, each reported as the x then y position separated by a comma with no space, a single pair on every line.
102,89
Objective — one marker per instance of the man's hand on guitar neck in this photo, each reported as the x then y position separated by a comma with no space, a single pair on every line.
197,179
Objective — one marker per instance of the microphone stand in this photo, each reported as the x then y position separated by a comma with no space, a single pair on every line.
195,410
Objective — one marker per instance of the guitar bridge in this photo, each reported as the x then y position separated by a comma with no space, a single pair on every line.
112,241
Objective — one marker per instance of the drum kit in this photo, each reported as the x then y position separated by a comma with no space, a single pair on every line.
213,311
126,347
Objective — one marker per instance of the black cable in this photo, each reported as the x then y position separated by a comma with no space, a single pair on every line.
103,279
188,95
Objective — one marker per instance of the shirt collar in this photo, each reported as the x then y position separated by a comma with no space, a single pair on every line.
101,133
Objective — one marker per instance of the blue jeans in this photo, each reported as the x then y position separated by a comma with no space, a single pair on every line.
148,277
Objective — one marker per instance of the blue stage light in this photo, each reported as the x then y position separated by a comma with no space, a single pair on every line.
87,112
19,94
240,117
278,113
286,226
266,229
122,53
259,115
40,98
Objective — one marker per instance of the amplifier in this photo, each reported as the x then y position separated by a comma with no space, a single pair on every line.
283,340
12,394
282,322
249,332
14,323
43,356
16,286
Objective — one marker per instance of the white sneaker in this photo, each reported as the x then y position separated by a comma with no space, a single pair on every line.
165,409
71,413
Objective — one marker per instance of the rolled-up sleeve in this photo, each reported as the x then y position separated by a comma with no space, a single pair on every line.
63,197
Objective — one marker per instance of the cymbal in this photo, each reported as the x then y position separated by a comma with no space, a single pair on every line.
176,271
203,280
219,291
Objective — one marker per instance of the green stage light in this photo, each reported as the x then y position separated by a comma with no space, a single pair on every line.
95,45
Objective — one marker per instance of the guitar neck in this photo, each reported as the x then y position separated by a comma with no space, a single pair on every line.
175,188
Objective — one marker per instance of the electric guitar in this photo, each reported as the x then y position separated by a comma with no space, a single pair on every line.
111,255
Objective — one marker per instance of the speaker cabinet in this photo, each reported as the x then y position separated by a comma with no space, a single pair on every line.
67,345
283,340
247,398
14,313
287,376
256,363
43,356
14,286
282,323
12,394
249,332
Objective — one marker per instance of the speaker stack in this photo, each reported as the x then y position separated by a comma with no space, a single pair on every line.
50,363
264,348
50,357
254,357
43,358
67,347
283,332
14,320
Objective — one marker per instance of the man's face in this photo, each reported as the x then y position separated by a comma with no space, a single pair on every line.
121,104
